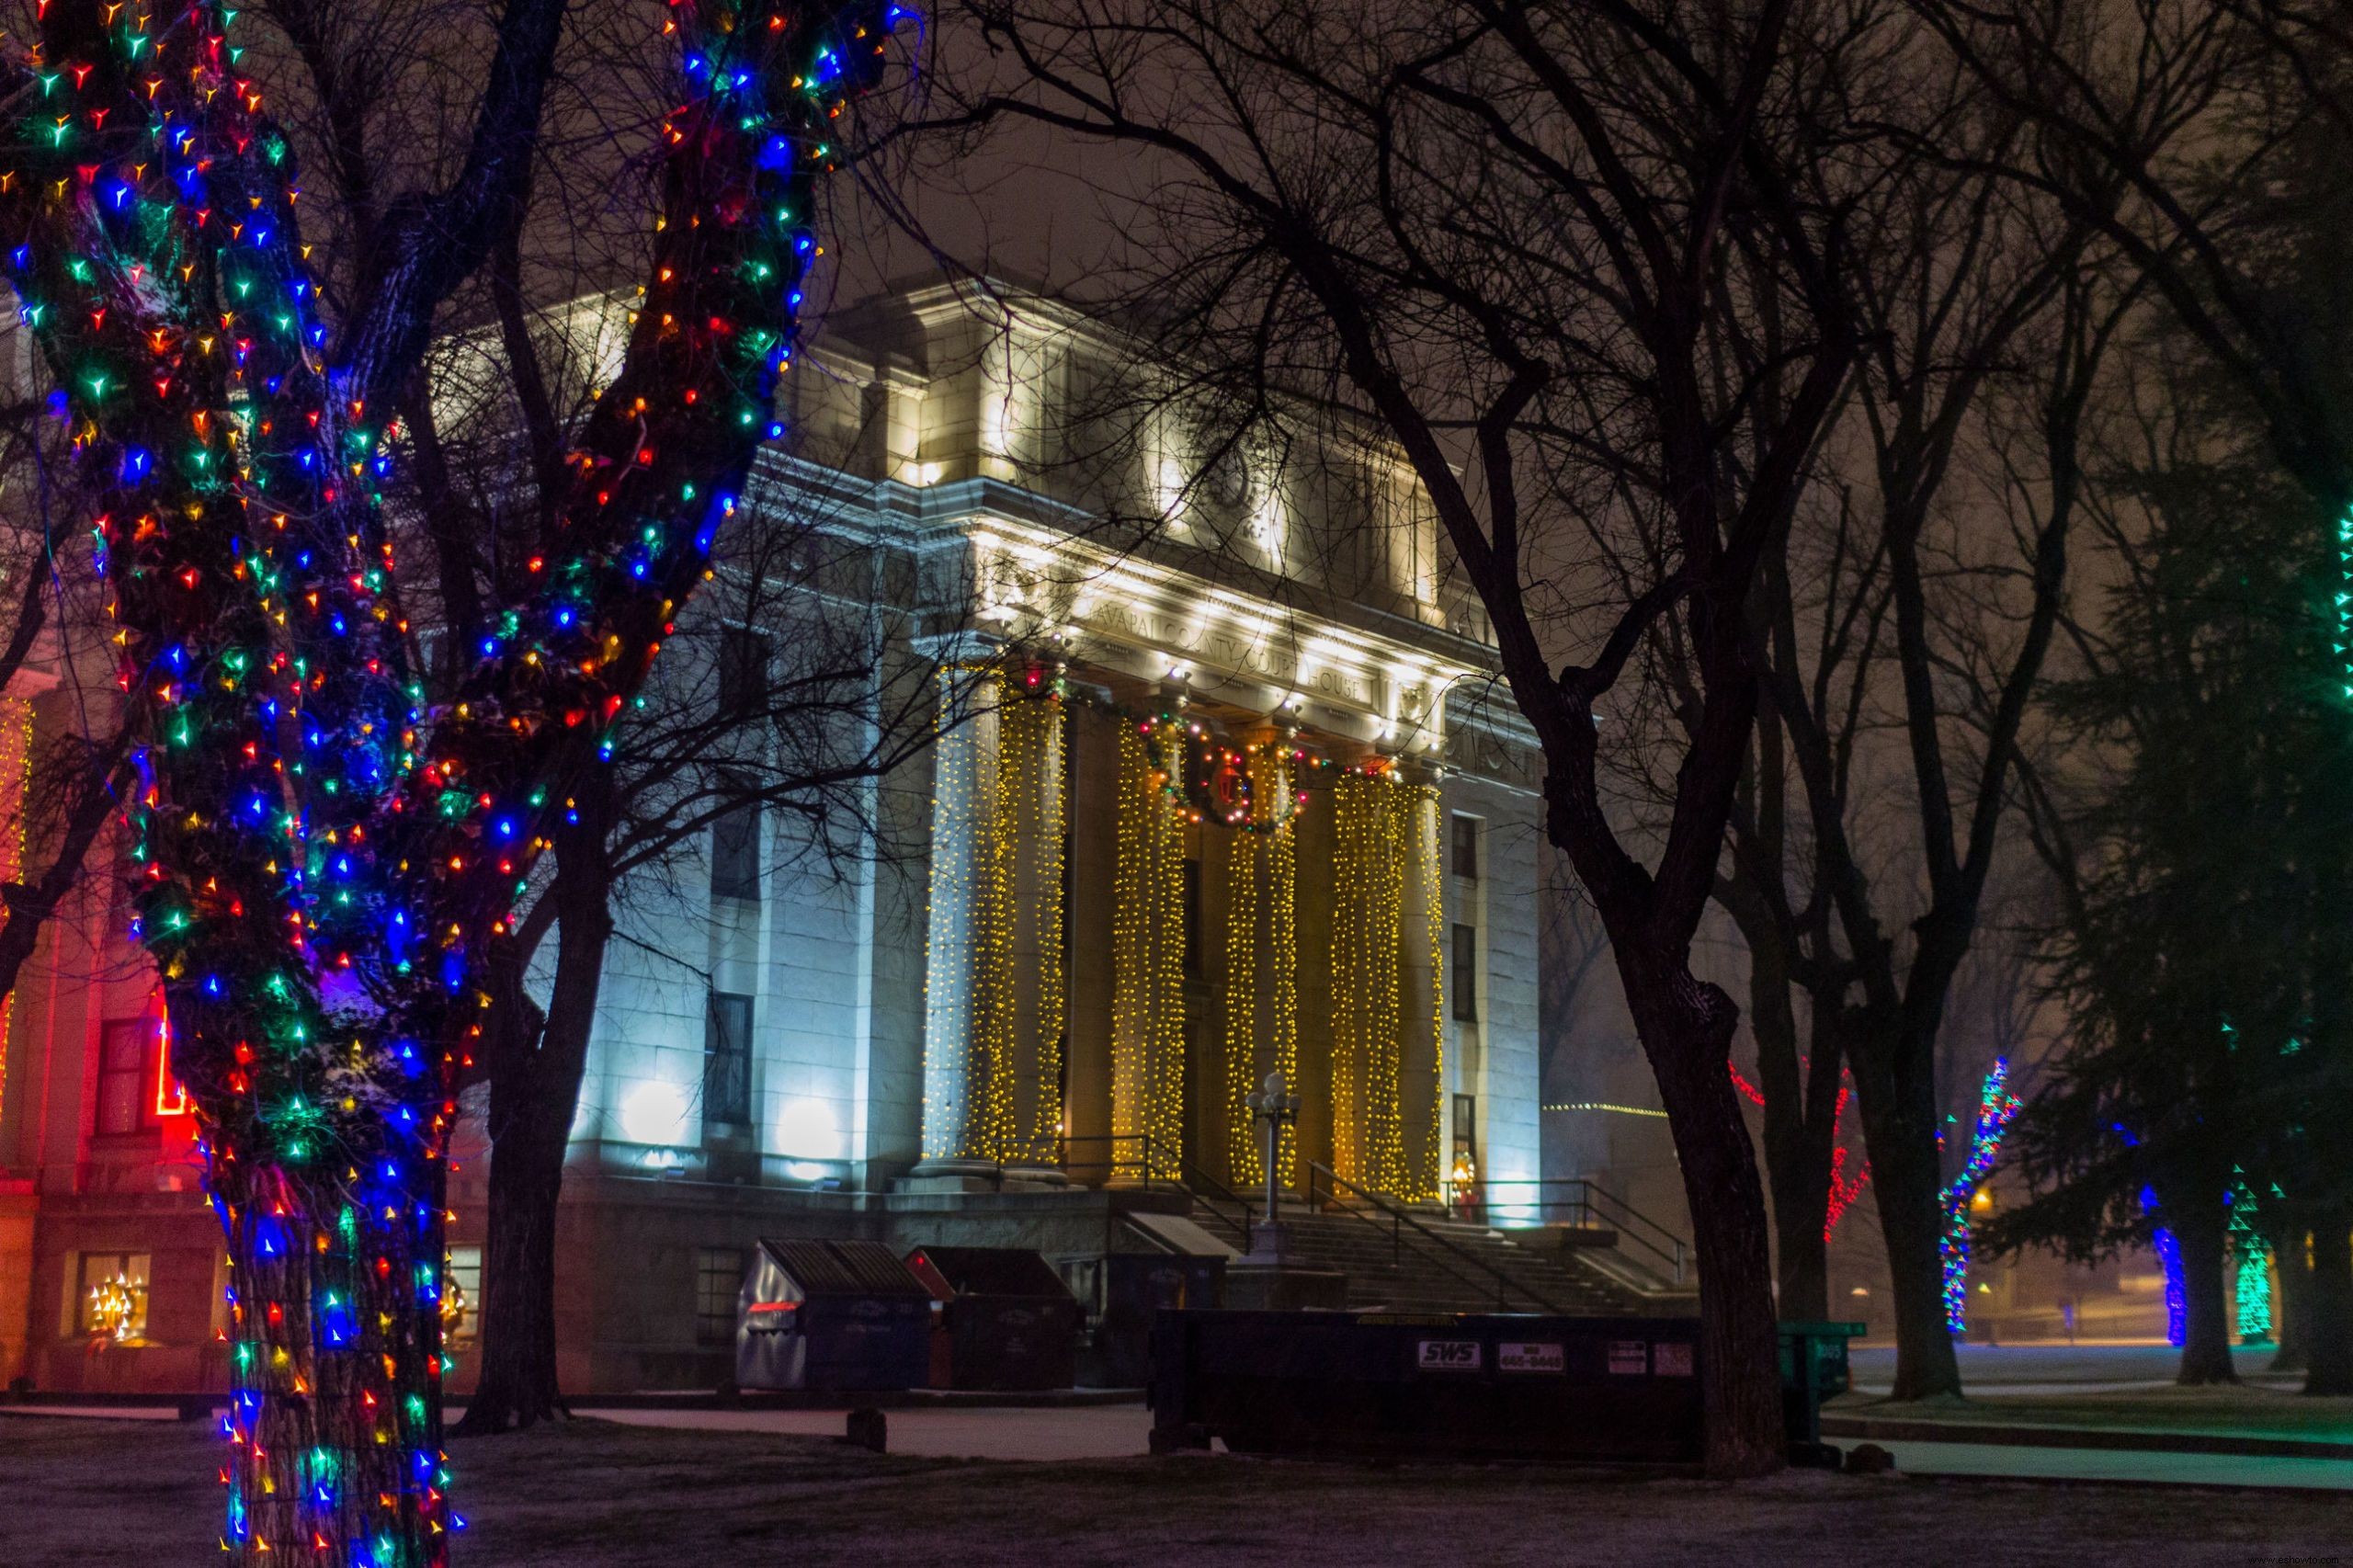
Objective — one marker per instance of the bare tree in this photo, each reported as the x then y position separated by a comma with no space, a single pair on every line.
1580,263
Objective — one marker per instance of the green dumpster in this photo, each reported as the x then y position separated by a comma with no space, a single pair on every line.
1814,1367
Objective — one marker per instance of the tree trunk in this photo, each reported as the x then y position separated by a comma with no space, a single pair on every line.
2291,1313
335,1417
534,1091
1895,1089
1797,1141
2328,1333
1685,1028
2200,1229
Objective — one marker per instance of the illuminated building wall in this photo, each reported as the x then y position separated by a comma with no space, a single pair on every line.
963,992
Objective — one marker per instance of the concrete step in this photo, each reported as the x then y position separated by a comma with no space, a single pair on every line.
1409,1271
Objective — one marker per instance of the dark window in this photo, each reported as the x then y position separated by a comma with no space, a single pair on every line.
719,1275
1466,849
1466,1125
126,1068
743,672
1192,918
1463,983
735,852
727,1060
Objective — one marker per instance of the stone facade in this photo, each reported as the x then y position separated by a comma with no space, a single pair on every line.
1003,494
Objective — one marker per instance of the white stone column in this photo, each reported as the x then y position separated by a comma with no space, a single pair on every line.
964,767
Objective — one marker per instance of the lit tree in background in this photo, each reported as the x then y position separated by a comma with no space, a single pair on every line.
325,864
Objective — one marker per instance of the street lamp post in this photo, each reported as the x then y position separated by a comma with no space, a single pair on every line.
1274,1110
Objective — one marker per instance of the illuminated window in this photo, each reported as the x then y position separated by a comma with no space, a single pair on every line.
1466,849
727,1060
461,1296
719,1275
129,1059
111,1295
1462,985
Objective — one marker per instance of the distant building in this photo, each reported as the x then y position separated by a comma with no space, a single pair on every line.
1224,785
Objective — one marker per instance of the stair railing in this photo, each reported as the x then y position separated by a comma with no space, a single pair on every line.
1150,1154
1322,1179
1582,1201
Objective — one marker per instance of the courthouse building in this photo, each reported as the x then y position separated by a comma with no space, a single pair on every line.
1224,784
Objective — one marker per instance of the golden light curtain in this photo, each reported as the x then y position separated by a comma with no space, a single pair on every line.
1148,957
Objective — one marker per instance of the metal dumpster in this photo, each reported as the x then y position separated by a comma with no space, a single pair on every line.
1813,1368
1434,1386
832,1315
1130,1289
1008,1320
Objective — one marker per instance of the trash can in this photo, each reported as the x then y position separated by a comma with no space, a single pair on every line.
1134,1287
832,1315
1435,1385
1008,1320
1813,1368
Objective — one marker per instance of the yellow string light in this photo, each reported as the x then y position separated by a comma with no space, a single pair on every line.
1148,957
1370,814
1426,830
1242,998
16,780
1282,898
952,1021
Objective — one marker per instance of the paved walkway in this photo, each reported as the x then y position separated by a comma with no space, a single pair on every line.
2009,1461
2058,1367
1083,1432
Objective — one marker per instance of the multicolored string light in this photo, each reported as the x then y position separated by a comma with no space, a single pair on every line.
325,858
1996,1107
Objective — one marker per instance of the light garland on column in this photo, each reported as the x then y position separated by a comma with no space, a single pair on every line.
1244,856
1274,766
1148,955
952,1020
1263,869
1029,829
1427,1177
996,985
1370,816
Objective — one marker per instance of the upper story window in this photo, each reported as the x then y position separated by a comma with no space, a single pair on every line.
130,1063
743,672
1463,983
1465,857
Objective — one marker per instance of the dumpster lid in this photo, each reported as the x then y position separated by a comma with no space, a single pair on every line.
987,1271
844,1269
1175,1234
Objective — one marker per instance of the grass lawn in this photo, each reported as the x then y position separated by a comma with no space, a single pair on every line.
590,1494
2250,1410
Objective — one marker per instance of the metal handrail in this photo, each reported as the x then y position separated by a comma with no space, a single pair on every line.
1206,1189
1591,1202
1398,1218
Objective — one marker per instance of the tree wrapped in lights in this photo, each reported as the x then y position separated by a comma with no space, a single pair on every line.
1996,1108
324,863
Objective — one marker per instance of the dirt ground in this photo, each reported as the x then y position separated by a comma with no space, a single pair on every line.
592,1494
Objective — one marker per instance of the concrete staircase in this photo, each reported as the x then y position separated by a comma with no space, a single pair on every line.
1452,1266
